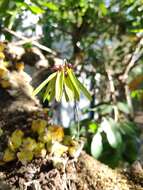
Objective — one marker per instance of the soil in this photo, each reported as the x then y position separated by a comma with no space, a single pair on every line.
84,174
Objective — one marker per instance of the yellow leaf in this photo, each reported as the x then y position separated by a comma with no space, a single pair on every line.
3,72
58,149
5,83
15,140
49,146
19,66
2,46
2,56
39,125
45,137
40,150
9,155
74,151
25,156
28,144
57,132
68,141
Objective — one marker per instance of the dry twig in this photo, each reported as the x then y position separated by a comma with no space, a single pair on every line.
40,46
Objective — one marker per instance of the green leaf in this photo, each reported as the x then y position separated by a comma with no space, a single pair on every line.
59,85
123,107
131,149
136,30
52,94
4,5
92,127
65,96
128,128
84,90
21,1
52,6
43,84
36,9
49,91
137,94
77,84
103,109
103,8
73,81
112,133
69,89
96,145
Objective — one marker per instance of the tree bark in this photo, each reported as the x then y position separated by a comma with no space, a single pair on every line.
16,111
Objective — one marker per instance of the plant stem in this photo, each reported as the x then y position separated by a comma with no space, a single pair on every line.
77,119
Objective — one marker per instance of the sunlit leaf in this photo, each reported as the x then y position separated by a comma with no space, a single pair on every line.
92,127
113,135
15,140
73,81
9,155
77,84
44,83
45,137
103,8
3,73
2,46
59,85
29,144
56,132
40,150
68,141
138,94
96,145
57,149
25,156
74,151
36,9
49,90
136,30
52,6
39,125
69,89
